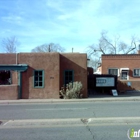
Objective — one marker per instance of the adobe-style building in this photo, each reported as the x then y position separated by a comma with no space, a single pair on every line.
126,67
40,75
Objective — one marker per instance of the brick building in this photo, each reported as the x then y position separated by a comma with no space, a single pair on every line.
40,75
126,67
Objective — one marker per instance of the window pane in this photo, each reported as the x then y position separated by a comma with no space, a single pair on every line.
68,76
40,73
139,72
113,71
109,71
124,75
66,73
70,73
36,78
36,84
40,78
40,84
66,82
136,72
36,73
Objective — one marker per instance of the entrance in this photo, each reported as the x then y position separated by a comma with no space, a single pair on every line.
125,75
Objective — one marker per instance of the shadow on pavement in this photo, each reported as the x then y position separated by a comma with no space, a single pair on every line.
95,94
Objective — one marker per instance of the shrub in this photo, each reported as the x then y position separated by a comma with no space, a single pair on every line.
71,90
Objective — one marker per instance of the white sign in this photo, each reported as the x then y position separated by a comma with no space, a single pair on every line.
105,81
114,92
129,84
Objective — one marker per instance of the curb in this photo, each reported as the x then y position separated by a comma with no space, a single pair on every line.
23,101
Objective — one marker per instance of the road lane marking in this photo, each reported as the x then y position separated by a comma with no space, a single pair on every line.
76,125
7,122
58,109
71,122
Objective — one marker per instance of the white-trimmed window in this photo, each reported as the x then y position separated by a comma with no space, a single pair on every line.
136,72
124,73
113,71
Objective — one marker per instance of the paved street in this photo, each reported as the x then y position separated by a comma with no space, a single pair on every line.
72,120
97,132
70,110
69,133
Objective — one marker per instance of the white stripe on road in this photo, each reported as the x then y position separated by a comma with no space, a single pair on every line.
58,109
71,122
7,122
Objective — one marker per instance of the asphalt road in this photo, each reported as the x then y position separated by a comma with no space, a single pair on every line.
99,132
70,110
34,121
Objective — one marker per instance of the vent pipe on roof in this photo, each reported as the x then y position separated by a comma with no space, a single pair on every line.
16,58
139,49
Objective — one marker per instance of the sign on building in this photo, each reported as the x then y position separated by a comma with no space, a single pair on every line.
105,81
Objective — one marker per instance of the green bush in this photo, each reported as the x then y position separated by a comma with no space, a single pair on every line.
71,90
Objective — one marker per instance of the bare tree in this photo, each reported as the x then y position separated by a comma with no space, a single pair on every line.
93,62
115,46
110,46
10,44
48,48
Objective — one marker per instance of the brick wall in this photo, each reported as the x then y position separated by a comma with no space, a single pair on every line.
130,61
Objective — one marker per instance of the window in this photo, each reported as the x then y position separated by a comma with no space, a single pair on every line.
113,71
5,77
124,75
136,72
68,75
38,78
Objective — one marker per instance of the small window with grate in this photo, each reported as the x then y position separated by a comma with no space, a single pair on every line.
113,71
136,72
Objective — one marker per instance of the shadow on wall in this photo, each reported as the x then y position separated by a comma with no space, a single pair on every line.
27,77
123,86
80,73
126,90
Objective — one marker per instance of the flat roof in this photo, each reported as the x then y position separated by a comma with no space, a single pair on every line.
118,54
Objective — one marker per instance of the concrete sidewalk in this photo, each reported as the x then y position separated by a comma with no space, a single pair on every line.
128,96
109,99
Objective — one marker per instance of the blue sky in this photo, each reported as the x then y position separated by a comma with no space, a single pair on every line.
70,23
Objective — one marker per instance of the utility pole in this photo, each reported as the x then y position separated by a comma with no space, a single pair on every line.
72,50
49,48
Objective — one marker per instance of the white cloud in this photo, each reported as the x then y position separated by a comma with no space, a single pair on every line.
12,19
70,23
